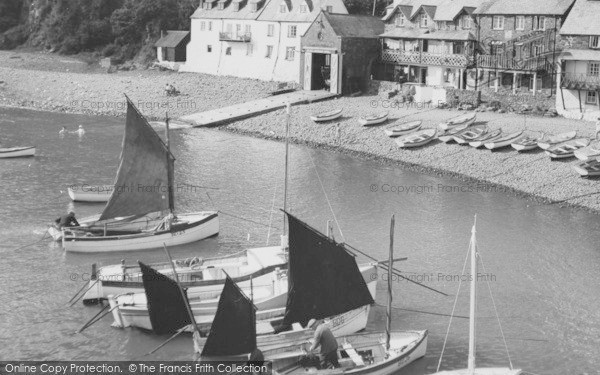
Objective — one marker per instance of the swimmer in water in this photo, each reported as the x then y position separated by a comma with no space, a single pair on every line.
63,131
80,131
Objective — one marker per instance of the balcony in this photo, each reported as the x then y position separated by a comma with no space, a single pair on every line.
501,62
425,58
231,37
580,81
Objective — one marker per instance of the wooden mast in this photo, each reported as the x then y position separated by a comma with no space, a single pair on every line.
170,172
288,110
473,302
390,265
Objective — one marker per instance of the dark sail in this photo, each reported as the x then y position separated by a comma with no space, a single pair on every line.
323,279
166,306
233,330
145,172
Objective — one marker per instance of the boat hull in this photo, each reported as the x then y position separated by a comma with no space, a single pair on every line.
327,117
206,276
587,153
418,139
92,194
483,371
403,130
453,123
373,121
16,152
503,141
201,225
587,168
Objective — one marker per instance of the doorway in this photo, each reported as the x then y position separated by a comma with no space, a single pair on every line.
321,71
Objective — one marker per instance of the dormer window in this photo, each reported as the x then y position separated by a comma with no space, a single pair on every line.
221,6
236,7
424,20
303,8
329,9
465,21
254,7
539,23
283,8
400,20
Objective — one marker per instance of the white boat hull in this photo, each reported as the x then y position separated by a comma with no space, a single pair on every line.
451,124
17,152
202,225
588,168
587,153
373,121
326,117
502,142
94,194
483,371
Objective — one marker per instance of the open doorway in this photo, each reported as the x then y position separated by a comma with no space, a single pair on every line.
321,71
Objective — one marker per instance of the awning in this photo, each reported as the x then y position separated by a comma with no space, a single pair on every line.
580,54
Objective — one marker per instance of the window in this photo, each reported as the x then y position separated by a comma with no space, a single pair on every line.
248,30
591,97
236,7
520,23
498,23
290,52
221,6
202,25
209,48
238,29
209,25
292,31
424,20
270,30
594,41
441,25
465,21
282,8
329,9
228,51
249,49
254,7
303,8
269,52
594,69
539,23
400,20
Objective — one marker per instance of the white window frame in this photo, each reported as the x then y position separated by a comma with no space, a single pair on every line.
236,7
594,41
539,20
249,49
202,25
594,68
290,53
270,29
254,7
269,52
248,30
303,8
292,31
400,20
329,9
221,6
423,20
498,23
465,22
209,25
591,97
283,8
520,23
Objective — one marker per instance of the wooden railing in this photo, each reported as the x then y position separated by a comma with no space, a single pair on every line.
425,58
502,62
231,37
579,81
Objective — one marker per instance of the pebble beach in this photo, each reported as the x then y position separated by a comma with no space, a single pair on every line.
60,84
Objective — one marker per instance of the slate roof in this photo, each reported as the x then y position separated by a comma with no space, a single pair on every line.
524,7
583,19
244,12
438,10
271,10
171,39
356,26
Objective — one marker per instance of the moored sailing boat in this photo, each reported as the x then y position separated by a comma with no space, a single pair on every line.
140,213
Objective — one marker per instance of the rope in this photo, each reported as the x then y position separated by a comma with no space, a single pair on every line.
271,214
423,312
33,243
242,218
453,309
496,311
326,197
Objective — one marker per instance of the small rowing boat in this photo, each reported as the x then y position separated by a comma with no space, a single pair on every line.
470,134
556,139
527,143
403,129
448,135
375,119
503,141
17,152
466,119
588,168
567,149
89,193
417,139
487,137
327,116
588,153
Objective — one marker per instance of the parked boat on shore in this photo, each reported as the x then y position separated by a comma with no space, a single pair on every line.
374,119
470,134
588,153
588,168
327,116
448,135
527,142
466,119
17,152
89,193
503,141
556,139
487,137
416,139
403,129
567,149
142,215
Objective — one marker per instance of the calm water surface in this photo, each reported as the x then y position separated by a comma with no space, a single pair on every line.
542,260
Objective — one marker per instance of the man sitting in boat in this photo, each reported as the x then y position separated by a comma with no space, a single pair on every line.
329,345
67,220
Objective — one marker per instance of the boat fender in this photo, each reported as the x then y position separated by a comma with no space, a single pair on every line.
196,262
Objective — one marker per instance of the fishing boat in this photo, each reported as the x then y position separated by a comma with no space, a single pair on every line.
555,139
448,135
487,137
471,363
527,143
403,129
470,134
327,116
195,273
140,214
91,194
588,168
503,141
324,282
567,149
466,119
374,119
416,139
17,152
588,153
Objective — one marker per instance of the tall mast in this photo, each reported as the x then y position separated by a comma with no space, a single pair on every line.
390,265
169,169
287,156
473,304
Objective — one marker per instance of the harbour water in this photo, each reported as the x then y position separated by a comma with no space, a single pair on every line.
541,261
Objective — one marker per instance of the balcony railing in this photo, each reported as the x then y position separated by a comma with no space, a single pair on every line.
534,64
579,81
231,37
425,58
